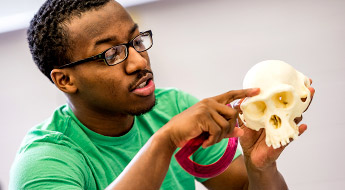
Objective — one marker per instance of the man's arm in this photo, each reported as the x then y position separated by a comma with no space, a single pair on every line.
148,168
236,177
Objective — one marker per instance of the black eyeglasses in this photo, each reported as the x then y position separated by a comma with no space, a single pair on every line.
119,53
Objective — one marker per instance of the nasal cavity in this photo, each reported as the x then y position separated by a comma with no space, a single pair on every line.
275,121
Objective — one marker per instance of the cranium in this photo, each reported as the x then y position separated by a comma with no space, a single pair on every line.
284,95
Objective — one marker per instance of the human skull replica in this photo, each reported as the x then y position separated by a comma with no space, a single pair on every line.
284,95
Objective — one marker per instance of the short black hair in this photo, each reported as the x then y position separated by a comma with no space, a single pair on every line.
47,37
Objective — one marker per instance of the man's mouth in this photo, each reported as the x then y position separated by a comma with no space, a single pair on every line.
143,81
144,86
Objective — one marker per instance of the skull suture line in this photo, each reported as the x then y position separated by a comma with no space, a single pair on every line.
284,95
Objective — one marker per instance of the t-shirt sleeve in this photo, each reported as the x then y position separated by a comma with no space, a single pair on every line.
211,154
48,166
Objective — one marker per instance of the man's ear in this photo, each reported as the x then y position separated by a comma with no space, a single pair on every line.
63,80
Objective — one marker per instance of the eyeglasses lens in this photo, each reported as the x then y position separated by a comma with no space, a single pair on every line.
118,53
142,42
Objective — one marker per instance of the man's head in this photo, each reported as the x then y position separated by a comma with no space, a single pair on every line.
47,35
65,31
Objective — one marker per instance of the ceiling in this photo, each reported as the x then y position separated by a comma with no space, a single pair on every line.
16,14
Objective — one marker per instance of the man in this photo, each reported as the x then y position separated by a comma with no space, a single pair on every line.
117,131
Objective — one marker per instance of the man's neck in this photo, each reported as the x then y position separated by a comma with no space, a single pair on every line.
105,124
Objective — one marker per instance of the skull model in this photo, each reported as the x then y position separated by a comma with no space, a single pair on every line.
284,95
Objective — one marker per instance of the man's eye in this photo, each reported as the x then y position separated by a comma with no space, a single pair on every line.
111,57
138,42
111,54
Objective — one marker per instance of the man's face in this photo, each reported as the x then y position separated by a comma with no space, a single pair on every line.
126,88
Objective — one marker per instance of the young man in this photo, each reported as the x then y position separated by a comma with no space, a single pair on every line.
117,131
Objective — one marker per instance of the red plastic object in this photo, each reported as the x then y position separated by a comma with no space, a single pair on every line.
205,171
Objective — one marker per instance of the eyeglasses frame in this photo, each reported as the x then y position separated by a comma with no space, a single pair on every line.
102,54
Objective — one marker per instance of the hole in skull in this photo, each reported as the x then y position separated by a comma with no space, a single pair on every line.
275,121
304,99
256,110
283,99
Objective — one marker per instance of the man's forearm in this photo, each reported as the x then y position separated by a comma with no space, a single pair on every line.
148,168
268,179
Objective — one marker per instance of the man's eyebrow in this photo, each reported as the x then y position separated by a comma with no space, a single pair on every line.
133,29
113,38
105,40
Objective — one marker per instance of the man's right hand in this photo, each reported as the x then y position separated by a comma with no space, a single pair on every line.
211,115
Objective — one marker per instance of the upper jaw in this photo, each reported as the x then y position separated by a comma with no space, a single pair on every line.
145,78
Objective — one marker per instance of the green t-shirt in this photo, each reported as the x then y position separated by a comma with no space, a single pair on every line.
61,153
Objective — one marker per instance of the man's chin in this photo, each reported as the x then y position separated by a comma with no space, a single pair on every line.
141,111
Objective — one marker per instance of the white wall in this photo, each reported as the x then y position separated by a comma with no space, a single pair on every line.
26,97
205,47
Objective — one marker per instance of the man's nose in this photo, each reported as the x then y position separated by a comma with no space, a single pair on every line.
135,61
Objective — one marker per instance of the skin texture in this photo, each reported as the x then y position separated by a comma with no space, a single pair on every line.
101,98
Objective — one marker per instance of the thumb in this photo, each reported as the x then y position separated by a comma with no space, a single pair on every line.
237,132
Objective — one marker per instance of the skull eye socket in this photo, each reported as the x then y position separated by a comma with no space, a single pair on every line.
283,99
256,110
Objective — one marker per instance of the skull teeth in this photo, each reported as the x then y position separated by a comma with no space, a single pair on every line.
283,142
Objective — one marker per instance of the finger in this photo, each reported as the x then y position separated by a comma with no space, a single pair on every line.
237,132
220,122
231,115
302,128
236,94
224,118
225,126
218,133
226,111
312,91
251,137
214,131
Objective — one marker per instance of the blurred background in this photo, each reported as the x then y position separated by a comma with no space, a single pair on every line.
205,47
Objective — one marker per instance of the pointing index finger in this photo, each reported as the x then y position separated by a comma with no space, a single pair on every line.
232,95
